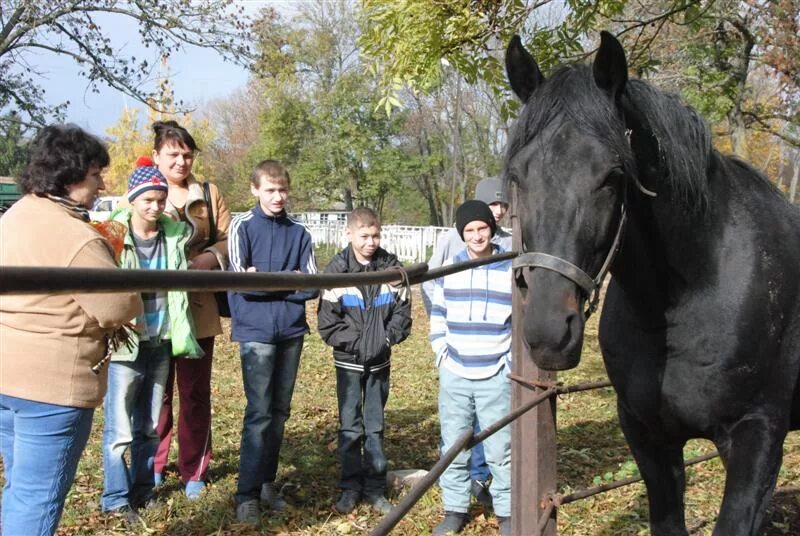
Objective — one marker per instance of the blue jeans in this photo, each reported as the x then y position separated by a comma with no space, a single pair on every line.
268,374
460,402
41,445
362,397
132,406
478,470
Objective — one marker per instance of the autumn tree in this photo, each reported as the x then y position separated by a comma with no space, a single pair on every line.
728,60
129,139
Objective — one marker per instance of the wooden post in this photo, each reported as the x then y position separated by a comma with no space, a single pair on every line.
533,436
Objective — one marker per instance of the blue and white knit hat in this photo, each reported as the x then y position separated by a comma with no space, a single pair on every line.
145,178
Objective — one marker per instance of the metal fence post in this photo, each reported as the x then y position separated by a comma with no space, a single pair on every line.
533,436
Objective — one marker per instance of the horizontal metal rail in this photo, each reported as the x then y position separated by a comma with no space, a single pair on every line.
558,500
47,280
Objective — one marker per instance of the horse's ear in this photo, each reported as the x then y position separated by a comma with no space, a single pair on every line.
610,66
523,72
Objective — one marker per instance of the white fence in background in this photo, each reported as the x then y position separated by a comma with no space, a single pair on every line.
409,242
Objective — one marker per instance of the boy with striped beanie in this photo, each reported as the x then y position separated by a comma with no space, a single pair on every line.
138,371
144,179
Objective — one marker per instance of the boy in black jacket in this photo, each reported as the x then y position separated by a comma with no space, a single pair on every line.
362,324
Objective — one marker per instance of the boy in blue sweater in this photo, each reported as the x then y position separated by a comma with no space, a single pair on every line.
270,327
471,338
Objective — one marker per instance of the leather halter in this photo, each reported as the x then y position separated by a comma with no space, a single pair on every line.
590,286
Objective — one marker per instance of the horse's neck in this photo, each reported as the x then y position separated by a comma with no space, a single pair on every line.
666,251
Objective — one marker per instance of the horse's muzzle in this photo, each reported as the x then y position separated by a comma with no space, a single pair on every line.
554,320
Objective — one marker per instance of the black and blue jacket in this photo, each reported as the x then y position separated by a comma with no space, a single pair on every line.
270,244
362,323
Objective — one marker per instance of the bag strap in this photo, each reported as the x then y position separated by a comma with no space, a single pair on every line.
212,223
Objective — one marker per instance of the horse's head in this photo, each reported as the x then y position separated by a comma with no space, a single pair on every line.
566,164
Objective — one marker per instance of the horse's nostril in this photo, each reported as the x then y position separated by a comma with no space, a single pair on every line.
574,333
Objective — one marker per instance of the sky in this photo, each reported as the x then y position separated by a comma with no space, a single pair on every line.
198,75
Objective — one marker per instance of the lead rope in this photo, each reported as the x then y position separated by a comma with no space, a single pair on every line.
113,342
405,280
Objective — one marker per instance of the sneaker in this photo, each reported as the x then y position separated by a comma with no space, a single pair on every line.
158,479
127,514
248,513
145,503
480,490
194,488
379,504
453,523
347,501
271,499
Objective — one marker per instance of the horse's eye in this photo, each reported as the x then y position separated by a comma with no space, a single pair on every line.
612,179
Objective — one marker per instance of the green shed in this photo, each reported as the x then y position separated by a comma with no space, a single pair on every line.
8,193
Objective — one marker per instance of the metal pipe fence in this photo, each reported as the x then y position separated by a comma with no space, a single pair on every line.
540,505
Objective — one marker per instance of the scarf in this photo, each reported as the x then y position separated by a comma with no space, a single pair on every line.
77,210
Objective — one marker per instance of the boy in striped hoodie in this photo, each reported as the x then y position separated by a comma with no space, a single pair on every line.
471,338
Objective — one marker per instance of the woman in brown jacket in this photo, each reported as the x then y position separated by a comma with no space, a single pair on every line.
173,153
51,345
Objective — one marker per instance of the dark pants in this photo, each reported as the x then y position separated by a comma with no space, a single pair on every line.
194,415
478,470
269,372
362,397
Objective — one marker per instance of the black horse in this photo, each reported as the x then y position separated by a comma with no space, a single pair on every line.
700,328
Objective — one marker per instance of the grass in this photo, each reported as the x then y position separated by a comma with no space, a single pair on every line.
591,450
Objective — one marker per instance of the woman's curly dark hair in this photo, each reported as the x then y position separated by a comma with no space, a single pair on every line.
172,132
61,155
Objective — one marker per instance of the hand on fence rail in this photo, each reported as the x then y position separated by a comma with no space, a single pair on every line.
47,280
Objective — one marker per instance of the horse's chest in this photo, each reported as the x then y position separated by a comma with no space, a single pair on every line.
679,380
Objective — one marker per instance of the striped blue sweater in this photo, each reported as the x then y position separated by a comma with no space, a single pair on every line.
471,319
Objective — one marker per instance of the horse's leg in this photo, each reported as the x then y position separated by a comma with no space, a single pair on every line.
662,468
753,449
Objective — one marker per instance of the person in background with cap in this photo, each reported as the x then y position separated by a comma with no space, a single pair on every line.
491,192
471,338
138,371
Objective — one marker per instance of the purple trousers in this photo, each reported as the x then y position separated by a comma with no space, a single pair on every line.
194,415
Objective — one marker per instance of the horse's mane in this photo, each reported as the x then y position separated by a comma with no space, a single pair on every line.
678,139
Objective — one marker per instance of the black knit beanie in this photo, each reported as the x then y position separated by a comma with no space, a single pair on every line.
474,210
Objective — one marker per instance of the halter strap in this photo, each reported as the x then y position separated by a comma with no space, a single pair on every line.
558,265
589,285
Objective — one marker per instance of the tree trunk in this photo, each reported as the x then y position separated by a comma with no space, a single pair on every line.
795,178
348,199
738,134
456,151
737,67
